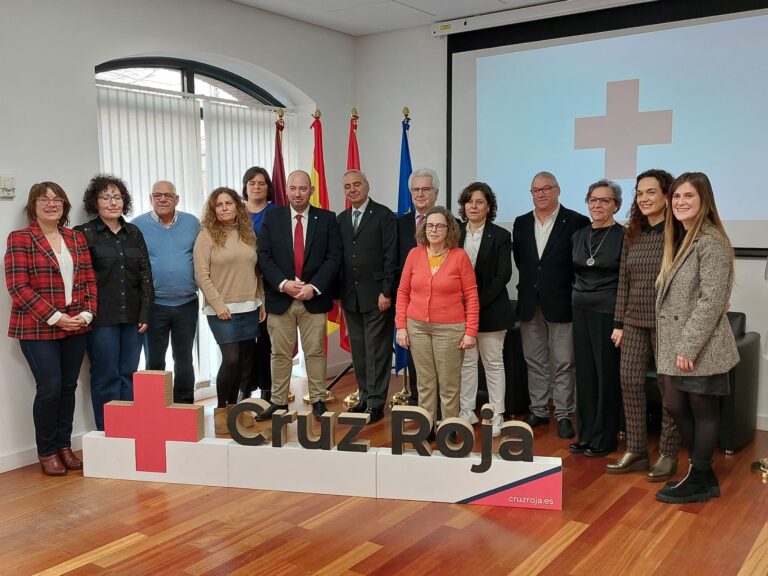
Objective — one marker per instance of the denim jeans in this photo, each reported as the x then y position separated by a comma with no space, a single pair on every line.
55,365
180,324
114,352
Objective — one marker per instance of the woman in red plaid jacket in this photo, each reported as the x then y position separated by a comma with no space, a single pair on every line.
53,292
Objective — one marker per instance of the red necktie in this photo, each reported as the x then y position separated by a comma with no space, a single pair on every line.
419,220
298,247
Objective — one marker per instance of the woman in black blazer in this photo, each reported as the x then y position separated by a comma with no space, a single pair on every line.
490,250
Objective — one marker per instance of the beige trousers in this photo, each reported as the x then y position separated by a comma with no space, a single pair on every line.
282,332
438,360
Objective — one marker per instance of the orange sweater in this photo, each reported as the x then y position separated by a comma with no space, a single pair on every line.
448,297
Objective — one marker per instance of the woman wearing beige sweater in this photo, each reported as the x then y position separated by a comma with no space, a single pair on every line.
226,272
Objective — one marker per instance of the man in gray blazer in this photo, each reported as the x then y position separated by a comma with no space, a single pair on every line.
369,239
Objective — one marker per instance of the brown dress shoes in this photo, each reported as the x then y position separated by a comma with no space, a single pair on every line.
68,458
52,465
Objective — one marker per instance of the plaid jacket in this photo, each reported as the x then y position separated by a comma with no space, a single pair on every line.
36,287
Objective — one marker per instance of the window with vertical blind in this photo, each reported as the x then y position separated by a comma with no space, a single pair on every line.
197,126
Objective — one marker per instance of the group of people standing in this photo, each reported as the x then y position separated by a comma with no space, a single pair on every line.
598,303
587,290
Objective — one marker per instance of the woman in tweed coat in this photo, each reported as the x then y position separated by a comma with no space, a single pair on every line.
695,347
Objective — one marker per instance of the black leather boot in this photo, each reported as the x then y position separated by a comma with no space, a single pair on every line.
695,487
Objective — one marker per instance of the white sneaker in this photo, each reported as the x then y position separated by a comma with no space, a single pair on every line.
469,416
496,423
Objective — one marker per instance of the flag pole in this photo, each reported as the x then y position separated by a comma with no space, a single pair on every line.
322,202
401,398
353,398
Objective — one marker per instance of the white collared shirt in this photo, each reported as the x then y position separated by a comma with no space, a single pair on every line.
542,230
472,242
304,225
156,218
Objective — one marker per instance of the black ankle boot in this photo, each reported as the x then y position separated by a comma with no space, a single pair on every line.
695,487
266,395
714,485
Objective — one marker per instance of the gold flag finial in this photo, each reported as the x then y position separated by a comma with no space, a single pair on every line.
354,113
317,113
280,113
406,112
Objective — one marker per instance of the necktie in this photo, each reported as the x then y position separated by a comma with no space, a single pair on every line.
355,219
419,220
298,247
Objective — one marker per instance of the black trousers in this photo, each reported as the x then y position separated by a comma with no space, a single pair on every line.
370,337
261,372
598,388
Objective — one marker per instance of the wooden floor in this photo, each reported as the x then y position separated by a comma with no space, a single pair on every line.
609,525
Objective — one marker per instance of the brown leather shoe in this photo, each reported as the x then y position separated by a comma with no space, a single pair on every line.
52,465
629,462
68,458
663,469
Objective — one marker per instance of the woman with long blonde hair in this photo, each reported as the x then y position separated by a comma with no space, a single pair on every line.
226,272
696,348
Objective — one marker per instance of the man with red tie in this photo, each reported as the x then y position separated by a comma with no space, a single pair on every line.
299,258
424,186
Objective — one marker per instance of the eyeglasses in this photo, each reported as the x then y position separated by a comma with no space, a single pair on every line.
594,201
421,191
109,199
543,190
45,201
161,195
437,227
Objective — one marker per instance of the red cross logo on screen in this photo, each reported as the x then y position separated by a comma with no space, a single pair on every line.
152,419
623,129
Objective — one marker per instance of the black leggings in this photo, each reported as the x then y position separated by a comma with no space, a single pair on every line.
697,417
235,369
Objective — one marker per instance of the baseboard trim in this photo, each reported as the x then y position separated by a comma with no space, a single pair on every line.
762,422
29,456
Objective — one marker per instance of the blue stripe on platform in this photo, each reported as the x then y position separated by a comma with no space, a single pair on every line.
511,485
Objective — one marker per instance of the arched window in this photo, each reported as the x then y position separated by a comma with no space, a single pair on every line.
178,75
196,125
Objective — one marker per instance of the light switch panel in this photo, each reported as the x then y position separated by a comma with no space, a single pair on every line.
7,187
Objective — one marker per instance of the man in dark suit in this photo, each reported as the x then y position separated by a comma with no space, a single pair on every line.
369,239
299,258
542,248
424,186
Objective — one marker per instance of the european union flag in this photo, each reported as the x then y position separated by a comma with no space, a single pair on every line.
404,205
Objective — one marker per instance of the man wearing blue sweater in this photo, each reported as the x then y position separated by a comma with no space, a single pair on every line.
170,236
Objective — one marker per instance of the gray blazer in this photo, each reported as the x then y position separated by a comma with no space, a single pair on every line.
691,309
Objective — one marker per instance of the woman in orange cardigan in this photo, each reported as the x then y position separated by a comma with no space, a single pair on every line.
437,311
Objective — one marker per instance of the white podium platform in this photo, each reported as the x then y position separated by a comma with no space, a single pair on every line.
296,469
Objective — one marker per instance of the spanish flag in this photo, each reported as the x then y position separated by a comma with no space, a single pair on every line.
319,199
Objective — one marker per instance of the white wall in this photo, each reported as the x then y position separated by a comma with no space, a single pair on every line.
48,51
392,70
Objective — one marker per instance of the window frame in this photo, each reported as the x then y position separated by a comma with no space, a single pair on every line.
188,69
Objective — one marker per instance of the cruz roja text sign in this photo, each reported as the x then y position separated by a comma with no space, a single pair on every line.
153,439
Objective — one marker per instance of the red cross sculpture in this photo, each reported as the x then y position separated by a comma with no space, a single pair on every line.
152,419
